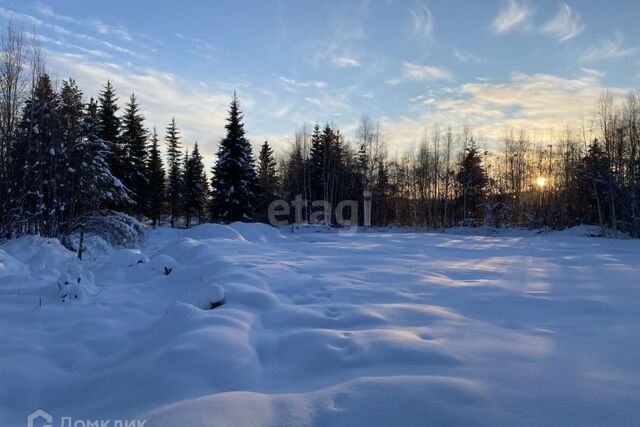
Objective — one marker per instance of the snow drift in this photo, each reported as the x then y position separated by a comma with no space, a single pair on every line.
245,325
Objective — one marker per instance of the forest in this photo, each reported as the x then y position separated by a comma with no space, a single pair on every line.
65,159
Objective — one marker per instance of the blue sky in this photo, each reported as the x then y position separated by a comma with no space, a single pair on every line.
493,64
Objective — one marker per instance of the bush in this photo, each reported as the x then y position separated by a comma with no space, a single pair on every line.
118,229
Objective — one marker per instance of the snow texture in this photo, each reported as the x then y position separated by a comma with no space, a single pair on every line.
246,325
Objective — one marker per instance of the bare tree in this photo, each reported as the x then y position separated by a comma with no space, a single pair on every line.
13,90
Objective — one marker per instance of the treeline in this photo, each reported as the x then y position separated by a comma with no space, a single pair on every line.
63,157
586,175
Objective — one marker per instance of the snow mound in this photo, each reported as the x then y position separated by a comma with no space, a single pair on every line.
580,231
76,283
258,232
208,297
10,266
390,401
45,258
161,264
212,231
127,258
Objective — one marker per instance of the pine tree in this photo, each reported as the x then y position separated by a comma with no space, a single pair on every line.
156,188
174,184
234,176
133,142
109,129
267,181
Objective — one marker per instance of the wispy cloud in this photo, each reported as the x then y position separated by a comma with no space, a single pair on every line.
16,16
63,44
101,27
565,25
345,61
514,14
609,48
292,83
197,46
417,72
421,22
331,103
345,36
63,31
540,103
465,56
199,109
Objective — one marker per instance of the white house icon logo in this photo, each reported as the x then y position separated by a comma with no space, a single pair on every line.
39,414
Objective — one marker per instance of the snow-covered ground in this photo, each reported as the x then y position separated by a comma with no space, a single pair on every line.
323,329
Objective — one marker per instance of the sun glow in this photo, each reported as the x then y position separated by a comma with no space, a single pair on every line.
541,182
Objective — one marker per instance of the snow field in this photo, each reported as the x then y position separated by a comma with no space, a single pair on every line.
324,329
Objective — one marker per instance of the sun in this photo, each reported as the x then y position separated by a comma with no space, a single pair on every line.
541,181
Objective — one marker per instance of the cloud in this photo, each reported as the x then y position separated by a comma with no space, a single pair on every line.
542,104
15,16
565,25
99,26
107,29
291,83
422,22
330,103
59,30
197,46
610,48
345,61
199,110
342,47
465,56
49,40
419,72
513,14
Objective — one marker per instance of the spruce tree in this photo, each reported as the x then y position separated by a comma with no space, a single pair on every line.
317,163
472,180
156,188
133,142
39,173
174,184
71,111
233,179
187,181
267,181
109,129
96,187
196,185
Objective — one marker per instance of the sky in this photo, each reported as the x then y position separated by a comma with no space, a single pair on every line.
494,65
